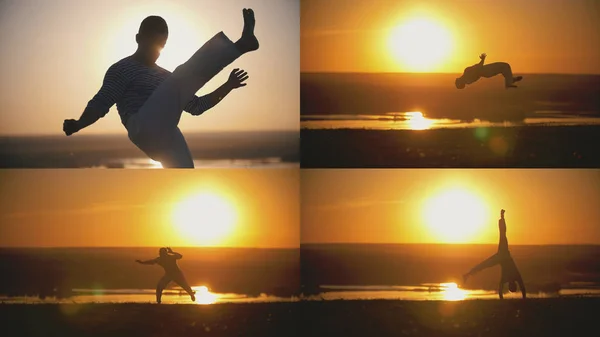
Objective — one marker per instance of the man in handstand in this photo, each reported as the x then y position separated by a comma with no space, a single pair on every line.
479,70
150,99
168,260
509,272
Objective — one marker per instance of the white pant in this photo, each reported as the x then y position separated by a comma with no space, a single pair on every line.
153,129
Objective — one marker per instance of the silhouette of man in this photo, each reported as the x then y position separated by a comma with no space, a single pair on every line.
477,71
150,99
168,260
509,272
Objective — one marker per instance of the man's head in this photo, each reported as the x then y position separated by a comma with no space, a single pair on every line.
459,83
512,286
162,252
152,37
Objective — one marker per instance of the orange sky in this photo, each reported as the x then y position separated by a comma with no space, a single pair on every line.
136,207
391,206
534,36
55,54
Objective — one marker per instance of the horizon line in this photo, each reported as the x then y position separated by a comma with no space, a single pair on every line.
444,243
124,134
437,73
153,247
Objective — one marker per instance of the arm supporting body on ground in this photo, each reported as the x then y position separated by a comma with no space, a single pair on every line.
522,287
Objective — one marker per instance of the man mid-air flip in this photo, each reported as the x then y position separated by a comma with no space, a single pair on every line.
479,70
150,99
168,260
509,272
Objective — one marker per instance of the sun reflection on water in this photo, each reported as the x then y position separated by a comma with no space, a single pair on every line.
452,292
204,296
417,121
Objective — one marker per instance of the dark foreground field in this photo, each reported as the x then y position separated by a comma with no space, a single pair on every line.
547,317
273,319
496,147
544,317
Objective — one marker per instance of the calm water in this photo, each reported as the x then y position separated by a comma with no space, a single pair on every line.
203,296
435,292
422,292
418,121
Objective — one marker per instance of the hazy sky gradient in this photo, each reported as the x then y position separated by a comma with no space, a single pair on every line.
129,208
55,54
534,36
387,206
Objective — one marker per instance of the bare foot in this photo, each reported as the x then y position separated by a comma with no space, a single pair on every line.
511,86
248,42
517,79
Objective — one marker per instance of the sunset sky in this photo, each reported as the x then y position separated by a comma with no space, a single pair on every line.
450,206
534,36
55,54
81,208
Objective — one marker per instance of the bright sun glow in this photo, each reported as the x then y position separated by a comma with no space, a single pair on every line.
452,292
204,296
185,35
455,215
205,219
420,44
417,121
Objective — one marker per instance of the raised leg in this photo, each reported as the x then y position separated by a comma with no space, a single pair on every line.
489,262
162,110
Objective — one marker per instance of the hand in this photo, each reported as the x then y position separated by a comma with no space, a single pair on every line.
169,250
138,261
483,56
237,78
70,126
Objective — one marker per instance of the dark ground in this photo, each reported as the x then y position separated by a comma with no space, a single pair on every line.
532,317
497,147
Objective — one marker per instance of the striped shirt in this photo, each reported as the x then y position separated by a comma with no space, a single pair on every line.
128,84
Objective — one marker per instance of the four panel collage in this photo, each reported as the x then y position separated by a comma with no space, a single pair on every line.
299,168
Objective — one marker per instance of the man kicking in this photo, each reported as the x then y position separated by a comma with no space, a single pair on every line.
150,99
168,260
475,72
509,272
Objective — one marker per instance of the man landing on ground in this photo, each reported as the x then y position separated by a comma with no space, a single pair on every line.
479,70
168,260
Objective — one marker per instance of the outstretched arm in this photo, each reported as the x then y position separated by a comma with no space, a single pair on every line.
112,89
153,261
199,105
